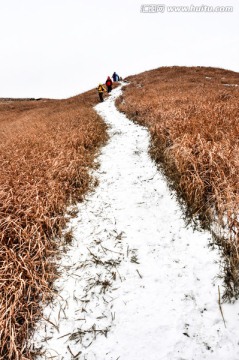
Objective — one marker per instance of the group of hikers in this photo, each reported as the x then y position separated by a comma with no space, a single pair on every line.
109,83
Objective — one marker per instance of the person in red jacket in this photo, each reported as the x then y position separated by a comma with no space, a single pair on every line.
109,83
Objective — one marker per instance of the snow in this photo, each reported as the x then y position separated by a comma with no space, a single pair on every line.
231,85
136,282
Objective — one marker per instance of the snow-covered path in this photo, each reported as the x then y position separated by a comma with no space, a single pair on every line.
136,283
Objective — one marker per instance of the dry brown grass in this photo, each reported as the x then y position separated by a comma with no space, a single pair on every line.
193,118
46,149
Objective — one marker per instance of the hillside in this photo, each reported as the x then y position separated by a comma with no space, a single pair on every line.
137,282
46,150
193,117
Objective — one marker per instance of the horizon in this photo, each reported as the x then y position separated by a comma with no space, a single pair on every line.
148,70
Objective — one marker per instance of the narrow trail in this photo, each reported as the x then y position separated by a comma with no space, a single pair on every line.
136,283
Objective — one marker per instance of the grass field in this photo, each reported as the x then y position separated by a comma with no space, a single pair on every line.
46,150
48,146
193,118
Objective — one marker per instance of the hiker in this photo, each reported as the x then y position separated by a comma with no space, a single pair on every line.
109,84
101,90
115,77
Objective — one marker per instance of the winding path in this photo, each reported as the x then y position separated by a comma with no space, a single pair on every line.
136,283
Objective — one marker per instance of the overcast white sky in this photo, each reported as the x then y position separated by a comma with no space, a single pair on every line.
60,48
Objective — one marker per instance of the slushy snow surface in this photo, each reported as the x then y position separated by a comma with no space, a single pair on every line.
136,283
